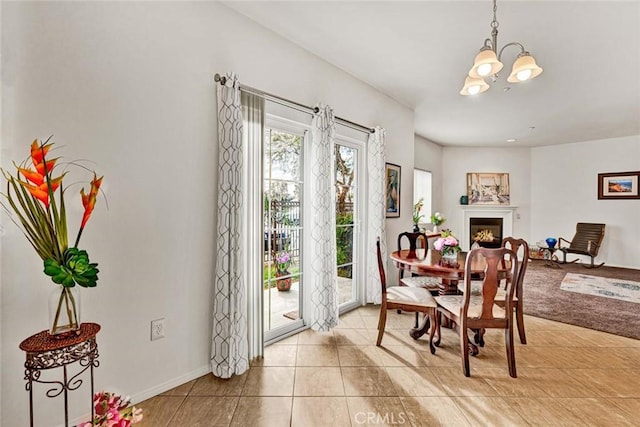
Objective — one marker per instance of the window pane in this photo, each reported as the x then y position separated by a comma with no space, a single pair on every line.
285,152
422,190
344,244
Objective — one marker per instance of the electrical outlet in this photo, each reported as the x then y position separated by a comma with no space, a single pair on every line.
157,329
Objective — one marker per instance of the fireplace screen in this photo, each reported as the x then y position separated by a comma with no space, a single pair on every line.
487,232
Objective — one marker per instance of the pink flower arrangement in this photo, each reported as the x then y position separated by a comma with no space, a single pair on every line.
112,410
447,243
282,261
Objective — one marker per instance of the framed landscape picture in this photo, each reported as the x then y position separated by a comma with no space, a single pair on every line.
487,188
392,196
618,185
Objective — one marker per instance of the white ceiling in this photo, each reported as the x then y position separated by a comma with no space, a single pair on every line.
419,52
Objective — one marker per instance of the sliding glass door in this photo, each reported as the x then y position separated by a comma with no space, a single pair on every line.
348,222
283,230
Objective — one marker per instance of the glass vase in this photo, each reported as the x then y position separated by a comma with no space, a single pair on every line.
449,259
64,311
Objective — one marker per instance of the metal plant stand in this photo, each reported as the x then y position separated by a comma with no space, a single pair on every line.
46,352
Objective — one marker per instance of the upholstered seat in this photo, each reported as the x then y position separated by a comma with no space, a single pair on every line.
428,282
476,289
454,303
407,295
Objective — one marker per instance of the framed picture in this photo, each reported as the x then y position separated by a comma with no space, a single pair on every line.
485,188
392,198
618,185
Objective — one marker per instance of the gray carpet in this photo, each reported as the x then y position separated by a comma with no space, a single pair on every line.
544,298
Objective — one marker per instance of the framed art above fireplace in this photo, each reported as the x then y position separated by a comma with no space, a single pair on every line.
486,188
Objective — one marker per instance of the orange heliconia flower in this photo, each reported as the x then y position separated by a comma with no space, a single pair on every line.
38,152
41,192
38,186
89,200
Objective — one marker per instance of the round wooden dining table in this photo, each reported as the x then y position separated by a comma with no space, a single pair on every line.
427,262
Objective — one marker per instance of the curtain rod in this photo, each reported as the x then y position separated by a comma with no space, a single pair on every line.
223,80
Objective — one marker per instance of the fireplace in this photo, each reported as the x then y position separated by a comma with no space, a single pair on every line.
505,213
487,232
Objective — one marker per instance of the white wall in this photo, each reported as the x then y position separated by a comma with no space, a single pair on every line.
456,162
564,191
130,86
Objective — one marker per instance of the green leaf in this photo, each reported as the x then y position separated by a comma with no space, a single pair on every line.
76,269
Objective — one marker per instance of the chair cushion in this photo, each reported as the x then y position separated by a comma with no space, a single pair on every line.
408,295
453,303
427,282
476,289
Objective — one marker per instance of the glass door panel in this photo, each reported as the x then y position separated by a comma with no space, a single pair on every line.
346,185
282,210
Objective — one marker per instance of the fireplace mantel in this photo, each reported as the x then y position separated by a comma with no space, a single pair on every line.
486,211
488,207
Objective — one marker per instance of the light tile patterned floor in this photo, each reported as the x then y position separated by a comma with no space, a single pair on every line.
567,376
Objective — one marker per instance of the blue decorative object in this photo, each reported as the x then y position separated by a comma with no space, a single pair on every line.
551,242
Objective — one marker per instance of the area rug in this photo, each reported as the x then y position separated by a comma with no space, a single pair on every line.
625,290
543,297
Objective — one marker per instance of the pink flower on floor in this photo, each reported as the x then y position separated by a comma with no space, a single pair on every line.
112,410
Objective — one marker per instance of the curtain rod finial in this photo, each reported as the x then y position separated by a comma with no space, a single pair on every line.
220,79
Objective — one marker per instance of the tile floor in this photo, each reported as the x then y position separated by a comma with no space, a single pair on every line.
567,376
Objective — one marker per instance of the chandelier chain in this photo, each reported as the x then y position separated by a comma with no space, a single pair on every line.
495,23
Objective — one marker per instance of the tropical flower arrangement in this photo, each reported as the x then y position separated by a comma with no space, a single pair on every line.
416,211
437,219
283,260
30,195
447,243
112,410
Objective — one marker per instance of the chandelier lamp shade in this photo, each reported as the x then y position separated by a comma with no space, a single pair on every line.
487,63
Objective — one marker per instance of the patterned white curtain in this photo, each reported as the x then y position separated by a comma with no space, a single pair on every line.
321,273
375,214
229,347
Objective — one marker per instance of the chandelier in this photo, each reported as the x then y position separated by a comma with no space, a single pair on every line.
487,63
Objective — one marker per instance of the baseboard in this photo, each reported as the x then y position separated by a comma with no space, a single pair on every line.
155,390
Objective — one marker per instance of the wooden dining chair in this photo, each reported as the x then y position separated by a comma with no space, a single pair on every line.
481,311
521,248
428,282
416,241
409,299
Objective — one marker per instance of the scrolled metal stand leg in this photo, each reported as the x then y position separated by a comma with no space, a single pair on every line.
66,398
92,392
29,377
